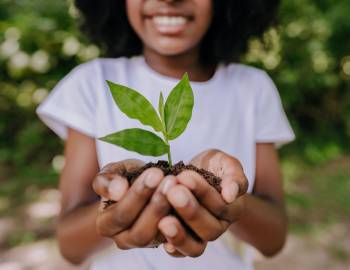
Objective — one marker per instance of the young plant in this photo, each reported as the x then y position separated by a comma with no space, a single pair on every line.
171,120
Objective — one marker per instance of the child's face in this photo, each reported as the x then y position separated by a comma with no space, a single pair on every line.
170,27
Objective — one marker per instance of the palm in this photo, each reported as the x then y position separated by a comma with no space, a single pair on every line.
224,166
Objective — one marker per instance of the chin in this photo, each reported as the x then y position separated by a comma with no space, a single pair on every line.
171,48
170,52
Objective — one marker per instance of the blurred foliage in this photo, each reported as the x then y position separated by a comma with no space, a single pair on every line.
308,56
39,44
309,59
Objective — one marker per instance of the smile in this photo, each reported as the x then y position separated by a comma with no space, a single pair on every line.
169,21
170,25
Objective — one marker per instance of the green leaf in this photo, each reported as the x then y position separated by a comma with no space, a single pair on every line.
178,108
138,140
135,105
161,107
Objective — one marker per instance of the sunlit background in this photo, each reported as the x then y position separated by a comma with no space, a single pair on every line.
308,57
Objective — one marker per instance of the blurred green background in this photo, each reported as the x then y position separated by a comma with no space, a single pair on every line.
308,56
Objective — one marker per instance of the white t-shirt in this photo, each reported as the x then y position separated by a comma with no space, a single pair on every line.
237,108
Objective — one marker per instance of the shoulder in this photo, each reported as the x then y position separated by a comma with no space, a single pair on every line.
247,82
245,73
91,76
87,79
99,66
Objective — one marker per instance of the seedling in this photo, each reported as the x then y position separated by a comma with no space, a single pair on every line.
171,120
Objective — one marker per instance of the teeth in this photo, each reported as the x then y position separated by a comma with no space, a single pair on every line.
169,21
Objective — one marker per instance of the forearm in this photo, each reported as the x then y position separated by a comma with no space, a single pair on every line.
77,233
263,224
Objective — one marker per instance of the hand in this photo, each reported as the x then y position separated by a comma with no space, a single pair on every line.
229,169
133,220
201,207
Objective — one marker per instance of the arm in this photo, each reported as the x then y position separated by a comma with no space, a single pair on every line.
263,222
76,231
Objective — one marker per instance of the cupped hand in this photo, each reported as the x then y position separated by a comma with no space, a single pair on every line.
201,207
229,169
110,183
133,220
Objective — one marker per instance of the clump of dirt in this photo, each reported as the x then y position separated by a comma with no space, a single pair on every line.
176,169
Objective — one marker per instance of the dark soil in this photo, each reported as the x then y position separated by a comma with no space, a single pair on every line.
174,170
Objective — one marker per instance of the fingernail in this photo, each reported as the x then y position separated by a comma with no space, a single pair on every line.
101,180
116,189
180,199
151,180
229,193
169,248
168,182
170,230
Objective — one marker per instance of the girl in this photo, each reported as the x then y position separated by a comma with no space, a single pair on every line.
237,111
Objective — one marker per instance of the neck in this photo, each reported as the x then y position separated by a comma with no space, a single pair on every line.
176,66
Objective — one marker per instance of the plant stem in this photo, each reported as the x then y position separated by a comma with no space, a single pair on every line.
161,114
169,153
169,158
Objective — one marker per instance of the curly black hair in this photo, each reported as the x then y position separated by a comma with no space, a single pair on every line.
234,23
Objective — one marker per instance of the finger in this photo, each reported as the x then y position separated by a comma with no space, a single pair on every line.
207,196
113,189
171,250
145,228
234,183
179,238
100,186
228,168
117,188
198,218
229,189
121,167
111,172
121,215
